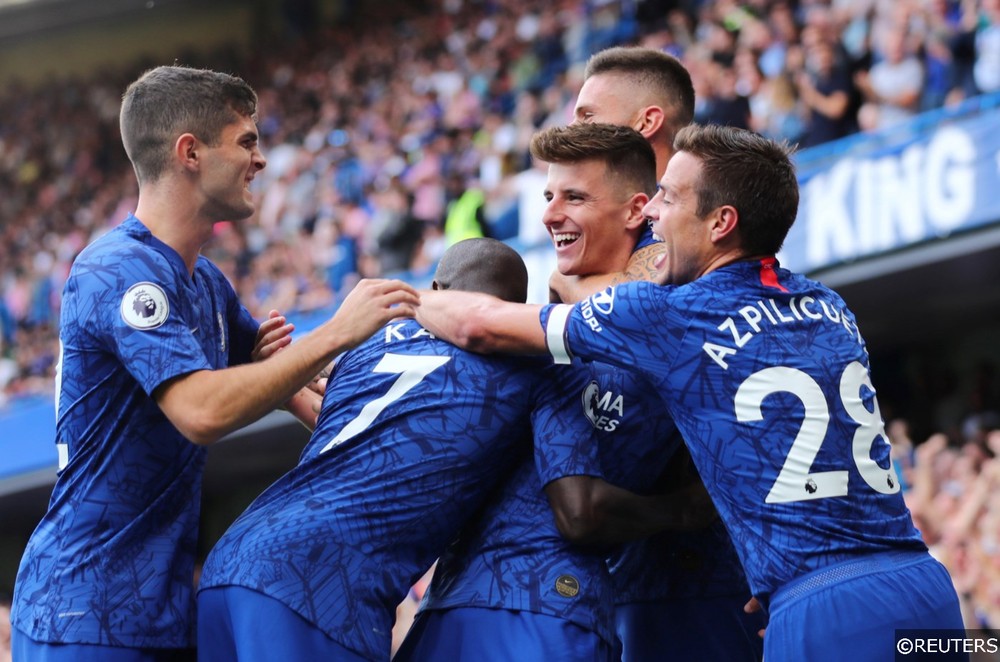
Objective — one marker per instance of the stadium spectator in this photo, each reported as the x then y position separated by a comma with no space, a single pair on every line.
5,647
893,86
722,228
413,435
826,90
153,336
954,503
986,70
342,116
937,28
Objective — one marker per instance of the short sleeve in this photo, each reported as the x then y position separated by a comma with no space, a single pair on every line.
564,437
141,316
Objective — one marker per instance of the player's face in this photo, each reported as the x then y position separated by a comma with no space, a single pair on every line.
607,99
687,237
228,169
586,219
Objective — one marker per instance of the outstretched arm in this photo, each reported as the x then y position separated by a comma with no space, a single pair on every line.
642,265
482,323
205,405
273,335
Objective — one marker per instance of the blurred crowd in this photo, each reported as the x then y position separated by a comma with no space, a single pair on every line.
405,127
402,129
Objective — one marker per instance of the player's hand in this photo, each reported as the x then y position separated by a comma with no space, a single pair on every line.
752,607
318,385
272,335
372,303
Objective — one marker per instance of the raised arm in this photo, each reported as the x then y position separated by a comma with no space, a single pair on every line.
205,405
273,335
482,323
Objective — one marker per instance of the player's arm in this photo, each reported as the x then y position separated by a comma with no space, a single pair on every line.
482,323
641,266
273,335
205,405
591,511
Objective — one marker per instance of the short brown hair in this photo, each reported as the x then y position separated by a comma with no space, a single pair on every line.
750,172
660,74
166,102
627,154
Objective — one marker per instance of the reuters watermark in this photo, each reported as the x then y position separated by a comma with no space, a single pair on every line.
974,645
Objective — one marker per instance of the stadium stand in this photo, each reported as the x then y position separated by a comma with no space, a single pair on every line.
376,116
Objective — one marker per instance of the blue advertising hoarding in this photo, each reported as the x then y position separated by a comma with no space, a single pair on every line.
919,184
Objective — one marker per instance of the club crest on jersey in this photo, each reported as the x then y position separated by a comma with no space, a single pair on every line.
145,306
567,586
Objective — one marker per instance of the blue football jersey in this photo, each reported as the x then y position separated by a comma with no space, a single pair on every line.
512,555
676,565
413,435
767,377
112,561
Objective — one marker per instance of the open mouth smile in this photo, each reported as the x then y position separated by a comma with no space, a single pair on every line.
563,239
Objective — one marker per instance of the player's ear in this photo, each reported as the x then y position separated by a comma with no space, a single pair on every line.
186,151
650,120
725,220
635,216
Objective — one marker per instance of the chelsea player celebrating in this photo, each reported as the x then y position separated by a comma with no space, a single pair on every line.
413,435
767,377
152,337
511,587
682,591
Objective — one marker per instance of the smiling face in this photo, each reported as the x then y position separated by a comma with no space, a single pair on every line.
227,170
673,211
593,228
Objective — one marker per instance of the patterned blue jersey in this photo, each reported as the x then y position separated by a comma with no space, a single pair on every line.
512,556
699,564
766,375
673,565
112,561
413,435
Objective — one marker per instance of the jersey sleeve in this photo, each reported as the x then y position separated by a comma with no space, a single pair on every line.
565,440
611,326
141,318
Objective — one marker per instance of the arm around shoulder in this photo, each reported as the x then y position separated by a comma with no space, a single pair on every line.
205,405
482,323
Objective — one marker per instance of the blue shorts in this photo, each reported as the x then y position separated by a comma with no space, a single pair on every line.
26,649
692,630
237,623
851,610
475,634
